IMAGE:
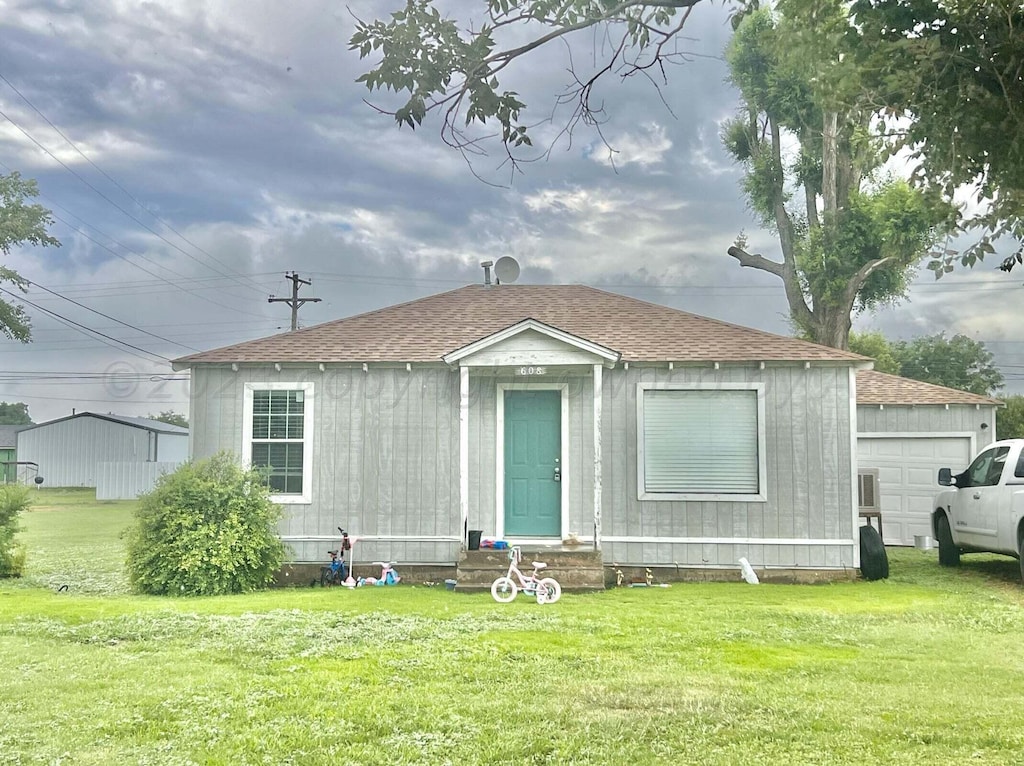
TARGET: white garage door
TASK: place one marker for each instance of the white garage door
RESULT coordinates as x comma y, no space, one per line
907,469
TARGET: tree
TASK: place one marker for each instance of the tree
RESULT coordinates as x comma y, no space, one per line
14,414
1010,419
849,241
853,253
952,70
14,500
206,529
171,418
437,66
878,347
20,224
958,362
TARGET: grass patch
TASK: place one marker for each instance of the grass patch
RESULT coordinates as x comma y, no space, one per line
922,667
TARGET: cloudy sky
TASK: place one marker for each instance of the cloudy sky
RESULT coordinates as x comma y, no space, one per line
193,152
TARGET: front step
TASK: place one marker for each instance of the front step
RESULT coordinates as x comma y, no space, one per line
575,569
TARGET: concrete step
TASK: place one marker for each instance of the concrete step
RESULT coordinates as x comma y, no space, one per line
575,568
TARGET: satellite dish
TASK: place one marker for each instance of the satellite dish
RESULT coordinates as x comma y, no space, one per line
506,269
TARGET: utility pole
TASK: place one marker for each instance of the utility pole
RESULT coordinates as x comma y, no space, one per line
295,301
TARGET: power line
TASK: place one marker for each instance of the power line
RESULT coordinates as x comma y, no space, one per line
124,258
118,207
107,316
85,329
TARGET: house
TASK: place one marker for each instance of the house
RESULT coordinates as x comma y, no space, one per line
539,413
72,451
906,431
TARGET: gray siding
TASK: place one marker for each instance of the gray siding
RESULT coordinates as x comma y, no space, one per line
68,451
929,418
385,456
809,486
483,421
386,465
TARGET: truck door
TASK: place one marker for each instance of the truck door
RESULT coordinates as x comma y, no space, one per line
980,501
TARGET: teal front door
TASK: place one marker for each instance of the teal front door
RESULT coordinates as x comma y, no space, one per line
533,449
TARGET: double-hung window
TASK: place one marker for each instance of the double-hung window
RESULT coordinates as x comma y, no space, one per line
278,437
701,442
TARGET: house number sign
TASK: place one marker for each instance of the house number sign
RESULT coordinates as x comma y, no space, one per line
531,371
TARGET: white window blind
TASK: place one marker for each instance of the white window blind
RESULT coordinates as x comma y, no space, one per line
700,441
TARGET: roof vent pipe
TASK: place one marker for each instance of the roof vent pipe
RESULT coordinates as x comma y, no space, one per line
487,272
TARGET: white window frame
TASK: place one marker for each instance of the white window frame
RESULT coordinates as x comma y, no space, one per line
760,496
307,435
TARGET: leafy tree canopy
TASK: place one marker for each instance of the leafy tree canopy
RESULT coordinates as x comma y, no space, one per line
958,362
878,347
14,414
849,238
1010,419
171,418
952,72
438,64
21,223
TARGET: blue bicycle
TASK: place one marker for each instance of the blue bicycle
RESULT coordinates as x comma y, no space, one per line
336,572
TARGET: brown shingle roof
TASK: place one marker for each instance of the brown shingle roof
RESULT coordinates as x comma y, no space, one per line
875,387
425,330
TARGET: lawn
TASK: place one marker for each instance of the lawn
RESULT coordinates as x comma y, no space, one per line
924,667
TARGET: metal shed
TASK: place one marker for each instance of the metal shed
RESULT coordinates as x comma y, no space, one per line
69,450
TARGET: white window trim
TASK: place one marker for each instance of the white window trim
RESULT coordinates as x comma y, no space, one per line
762,469
308,421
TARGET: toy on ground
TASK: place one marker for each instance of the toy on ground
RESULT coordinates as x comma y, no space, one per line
504,589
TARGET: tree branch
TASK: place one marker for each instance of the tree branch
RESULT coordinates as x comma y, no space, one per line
858,279
794,294
787,236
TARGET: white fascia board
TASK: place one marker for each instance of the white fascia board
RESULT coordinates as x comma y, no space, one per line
609,355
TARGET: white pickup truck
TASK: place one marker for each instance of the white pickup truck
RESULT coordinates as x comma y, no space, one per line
984,508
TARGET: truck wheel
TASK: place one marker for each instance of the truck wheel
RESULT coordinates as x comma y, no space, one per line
949,554
874,563
1020,553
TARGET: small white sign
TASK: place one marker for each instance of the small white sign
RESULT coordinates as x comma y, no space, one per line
531,371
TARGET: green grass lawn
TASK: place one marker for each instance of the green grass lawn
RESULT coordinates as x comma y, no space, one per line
923,668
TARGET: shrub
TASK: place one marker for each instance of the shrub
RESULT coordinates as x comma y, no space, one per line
206,529
14,498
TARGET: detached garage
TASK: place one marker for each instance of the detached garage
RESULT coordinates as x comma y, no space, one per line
70,451
906,432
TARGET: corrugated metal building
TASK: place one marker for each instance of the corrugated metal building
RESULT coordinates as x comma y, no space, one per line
69,450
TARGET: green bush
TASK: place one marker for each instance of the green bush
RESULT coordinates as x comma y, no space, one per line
206,529
14,498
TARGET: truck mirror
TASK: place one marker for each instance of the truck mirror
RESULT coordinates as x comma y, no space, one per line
945,477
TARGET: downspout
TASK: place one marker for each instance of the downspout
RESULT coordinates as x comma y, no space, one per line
598,396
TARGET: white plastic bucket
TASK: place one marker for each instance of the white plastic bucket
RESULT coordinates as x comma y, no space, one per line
923,542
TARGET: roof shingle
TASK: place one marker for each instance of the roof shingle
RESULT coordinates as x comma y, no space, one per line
425,330
875,387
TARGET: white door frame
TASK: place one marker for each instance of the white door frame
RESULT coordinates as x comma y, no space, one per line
499,437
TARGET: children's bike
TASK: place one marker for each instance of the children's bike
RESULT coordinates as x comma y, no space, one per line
336,572
507,587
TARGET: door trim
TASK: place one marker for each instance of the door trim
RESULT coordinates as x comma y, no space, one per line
499,449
